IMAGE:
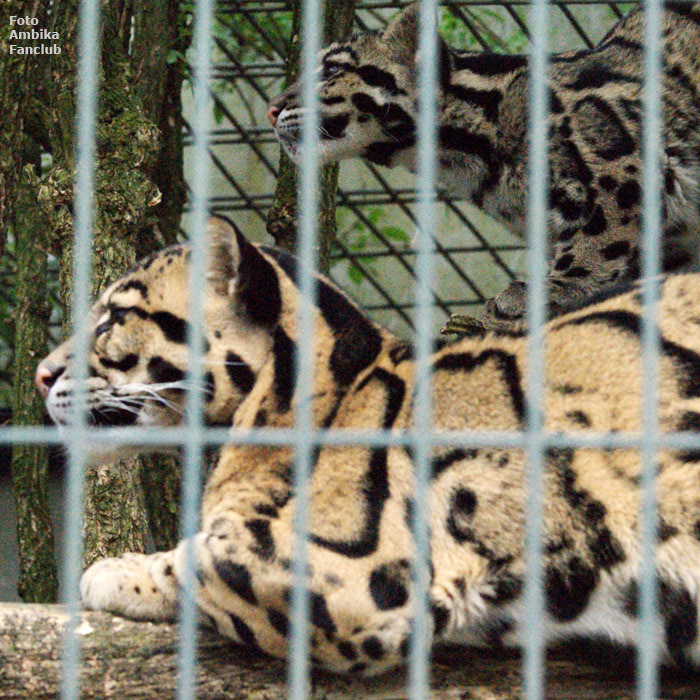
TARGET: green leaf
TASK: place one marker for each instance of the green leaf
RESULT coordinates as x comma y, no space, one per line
355,274
218,113
396,234
174,56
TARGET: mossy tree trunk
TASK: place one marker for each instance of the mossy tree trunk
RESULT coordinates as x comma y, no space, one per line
22,137
160,40
38,580
139,92
126,146
18,79
282,222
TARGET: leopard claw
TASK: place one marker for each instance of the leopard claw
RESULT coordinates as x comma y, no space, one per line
463,326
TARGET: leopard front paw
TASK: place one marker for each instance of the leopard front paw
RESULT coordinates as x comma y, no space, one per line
126,586
506,311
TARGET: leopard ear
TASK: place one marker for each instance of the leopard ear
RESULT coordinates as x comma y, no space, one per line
238,270
401,37
224,255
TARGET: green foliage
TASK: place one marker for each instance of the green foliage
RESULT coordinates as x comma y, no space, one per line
243,38
250,36
362,240
500,32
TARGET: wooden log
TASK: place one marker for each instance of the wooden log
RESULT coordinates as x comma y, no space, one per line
136,660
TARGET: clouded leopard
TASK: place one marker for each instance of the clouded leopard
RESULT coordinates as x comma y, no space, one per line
368,109
362,498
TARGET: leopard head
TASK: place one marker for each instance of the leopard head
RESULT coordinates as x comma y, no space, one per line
138,352
367,94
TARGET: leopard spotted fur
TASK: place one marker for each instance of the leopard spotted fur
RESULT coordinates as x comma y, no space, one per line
360,544
368,109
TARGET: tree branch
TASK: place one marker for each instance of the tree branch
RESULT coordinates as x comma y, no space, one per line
282,217
137,660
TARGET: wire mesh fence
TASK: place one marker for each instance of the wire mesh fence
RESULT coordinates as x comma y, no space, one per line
373,255
376,252
392,236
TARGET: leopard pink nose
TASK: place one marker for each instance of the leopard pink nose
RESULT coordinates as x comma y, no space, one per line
272,113
46,376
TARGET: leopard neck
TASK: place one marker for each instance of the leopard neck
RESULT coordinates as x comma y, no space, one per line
481,132
346,343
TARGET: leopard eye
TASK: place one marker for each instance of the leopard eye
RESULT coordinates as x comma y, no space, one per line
117,314
102,329
330,70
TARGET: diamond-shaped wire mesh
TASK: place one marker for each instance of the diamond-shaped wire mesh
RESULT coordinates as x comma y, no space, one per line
373,255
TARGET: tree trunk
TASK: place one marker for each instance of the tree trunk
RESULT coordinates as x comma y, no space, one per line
338,18
127,143
138,661
160,478
19,81
135,88
160,41
38,580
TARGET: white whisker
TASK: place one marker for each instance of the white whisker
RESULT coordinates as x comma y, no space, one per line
133,396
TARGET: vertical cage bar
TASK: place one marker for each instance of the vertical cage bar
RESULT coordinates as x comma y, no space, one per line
648,652
533,638
419,674
194,436
298,670
86,113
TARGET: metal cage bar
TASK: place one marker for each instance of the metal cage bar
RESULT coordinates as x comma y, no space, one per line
648,653
193,442
419,676
76,439
533,677
169,437
304,437
298,669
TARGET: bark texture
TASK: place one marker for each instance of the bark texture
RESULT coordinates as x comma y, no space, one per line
38,580
338,16
20,76
160,478
139,101
132,660
127,145
160,40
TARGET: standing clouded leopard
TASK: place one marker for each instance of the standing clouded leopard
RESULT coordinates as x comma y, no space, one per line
360,543
368,109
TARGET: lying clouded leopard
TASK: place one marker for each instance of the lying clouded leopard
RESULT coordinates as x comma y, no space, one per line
360,543
368,109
